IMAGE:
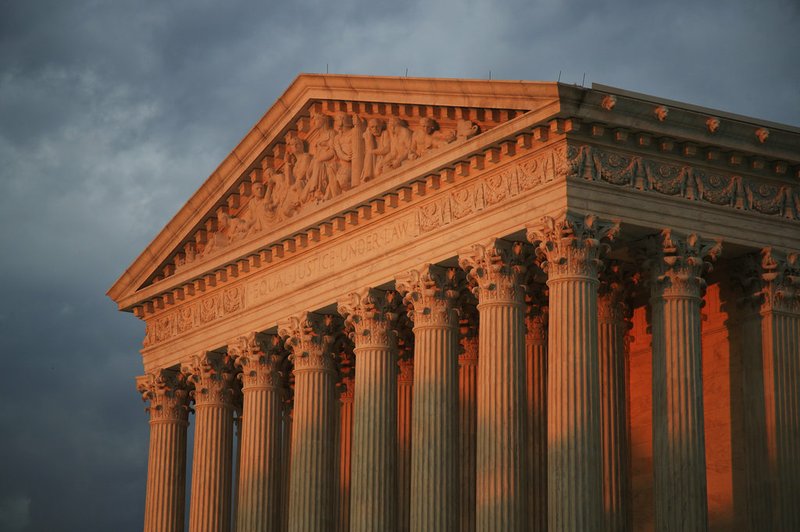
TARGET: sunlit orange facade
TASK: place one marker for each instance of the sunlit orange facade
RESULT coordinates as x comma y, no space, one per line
435,305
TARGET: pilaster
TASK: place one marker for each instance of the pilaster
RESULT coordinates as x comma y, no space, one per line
261,361
572,246
497,269
310,338
431,293
679,464
212,461
168,399
369,316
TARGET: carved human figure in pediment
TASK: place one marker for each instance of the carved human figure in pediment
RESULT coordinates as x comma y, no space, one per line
260,213
427,137
295,188
400,143
229,229
377,146
348,144
466,129
322,152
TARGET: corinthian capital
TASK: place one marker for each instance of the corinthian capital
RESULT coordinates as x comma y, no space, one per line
678,263
370,315
572,244
261,359
431,293
779,276
498,268
167,394
212,376
311,338
617,284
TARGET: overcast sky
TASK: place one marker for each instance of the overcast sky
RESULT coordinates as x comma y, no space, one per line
113,113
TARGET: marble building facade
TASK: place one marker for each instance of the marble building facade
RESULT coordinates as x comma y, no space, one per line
435,305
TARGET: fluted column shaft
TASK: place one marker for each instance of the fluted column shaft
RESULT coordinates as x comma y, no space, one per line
311,493
373,504
434,418
536,372
212,461
344,449
679,462
780,348
572,247
467,425
258,497
405,389
286,461
613,324
166,464
501,451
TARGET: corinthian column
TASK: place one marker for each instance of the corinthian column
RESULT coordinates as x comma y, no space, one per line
405,388
497,269
572,246
780,352
166,464
467,415
260,437
212,461
373,504
346,391
613,319
679,460
536,371
431,293
286,453
310,340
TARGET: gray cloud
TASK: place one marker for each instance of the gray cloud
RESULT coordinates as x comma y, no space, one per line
112,114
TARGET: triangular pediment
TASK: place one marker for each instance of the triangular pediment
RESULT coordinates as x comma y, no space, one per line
326,139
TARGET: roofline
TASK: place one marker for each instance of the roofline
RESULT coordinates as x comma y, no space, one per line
696,108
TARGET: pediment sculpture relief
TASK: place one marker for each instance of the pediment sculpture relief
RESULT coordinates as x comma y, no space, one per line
339,152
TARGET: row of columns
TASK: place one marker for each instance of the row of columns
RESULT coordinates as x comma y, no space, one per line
488,405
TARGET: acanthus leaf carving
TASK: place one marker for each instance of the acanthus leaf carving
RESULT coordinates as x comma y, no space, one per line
779,274
572,245
261,359
678,263
369,316
312,340
431,293
618,282
212,376
497,267
167,393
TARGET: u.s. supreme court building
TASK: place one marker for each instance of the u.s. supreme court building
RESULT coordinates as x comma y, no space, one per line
457,305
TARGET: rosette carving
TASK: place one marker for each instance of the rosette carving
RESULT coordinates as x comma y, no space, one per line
212,376
497,268
370,315
311,339
167,393
431,293
572,244
678,263
261,359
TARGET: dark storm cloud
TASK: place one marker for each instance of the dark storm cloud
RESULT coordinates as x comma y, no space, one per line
113,113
